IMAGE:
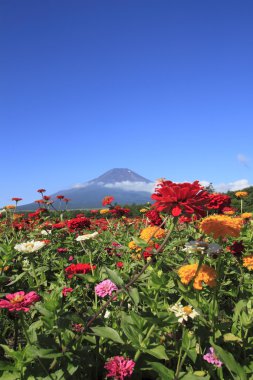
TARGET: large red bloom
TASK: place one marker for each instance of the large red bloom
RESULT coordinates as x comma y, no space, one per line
73,269
107,200
218,201
180,198
78,223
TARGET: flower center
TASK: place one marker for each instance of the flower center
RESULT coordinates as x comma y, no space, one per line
187,309
17,299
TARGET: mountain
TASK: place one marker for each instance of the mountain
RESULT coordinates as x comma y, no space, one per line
125,185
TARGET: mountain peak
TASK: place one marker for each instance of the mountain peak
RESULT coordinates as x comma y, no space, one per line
120,175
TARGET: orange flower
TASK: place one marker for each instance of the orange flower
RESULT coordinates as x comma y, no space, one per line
153,231
241,194
221,226
206,274
133,246
104,211
248,262
246,215
9,207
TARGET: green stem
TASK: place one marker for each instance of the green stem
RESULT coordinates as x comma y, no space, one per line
34,273
143,343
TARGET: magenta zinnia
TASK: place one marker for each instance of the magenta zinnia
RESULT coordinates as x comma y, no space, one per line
180,198
105,288
19,301
119,367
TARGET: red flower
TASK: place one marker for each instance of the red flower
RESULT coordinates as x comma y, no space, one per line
78,223
218,201
16,199
58,226
60,196
40,201
66,200
119,264
237,248
62,250
46,197
107,200
73,269
41,191
119,211
154,218
180,198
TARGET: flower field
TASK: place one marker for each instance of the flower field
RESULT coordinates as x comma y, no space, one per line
166,295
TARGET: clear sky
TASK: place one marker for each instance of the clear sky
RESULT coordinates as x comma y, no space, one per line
163,87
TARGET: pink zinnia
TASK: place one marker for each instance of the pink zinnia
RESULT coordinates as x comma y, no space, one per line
65,291
105,288
211,358
19,301
119,367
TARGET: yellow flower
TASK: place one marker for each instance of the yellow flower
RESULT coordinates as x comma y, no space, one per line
206,274
241,194
154,231
246,215
142,210
248,262
133,246
221,226
104,211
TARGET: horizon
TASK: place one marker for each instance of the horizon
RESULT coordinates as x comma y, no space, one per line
163,88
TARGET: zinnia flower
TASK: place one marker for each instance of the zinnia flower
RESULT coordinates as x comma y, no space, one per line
183,312
211,358
218,201
152,232
220,226
104,211
60,197
134,246
19,301
16,199
105,288
180,198
246,215
248,262
206,274
87,236
236,248
119,367
30,246
73,269
154,218
78,223
65,291
241,194
107,200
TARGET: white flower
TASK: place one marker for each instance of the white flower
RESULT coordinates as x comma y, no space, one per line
195,246
45,232
30,246
107,314
183,312
87,236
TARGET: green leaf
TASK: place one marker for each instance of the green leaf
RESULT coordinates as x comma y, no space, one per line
107,332
229,337
114,277
17,278
158,352
163,372
141,243
134,294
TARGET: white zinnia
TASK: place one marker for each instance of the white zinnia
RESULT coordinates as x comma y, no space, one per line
87,236
45,232
30,246
183,312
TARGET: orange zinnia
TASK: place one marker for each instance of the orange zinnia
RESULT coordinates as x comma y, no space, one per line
153,231
221,226
241,194
205,274
248,262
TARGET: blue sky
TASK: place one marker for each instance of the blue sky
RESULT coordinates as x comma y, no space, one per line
163,87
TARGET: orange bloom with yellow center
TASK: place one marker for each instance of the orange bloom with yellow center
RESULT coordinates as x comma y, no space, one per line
241,194
152,232
220,226
248,262
246,215
205,275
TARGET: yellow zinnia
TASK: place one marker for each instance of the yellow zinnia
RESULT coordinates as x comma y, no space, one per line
241,194
248,262
153,231
246,215
133,246
221,226
206,274
104,211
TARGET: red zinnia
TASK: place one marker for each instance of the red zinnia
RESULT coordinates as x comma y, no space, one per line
180,198
60,196
73,269
78,223
218,201
154,218
19,301
107,200
17,199
41,191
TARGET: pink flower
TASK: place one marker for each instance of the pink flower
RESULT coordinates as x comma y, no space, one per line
65,291
119,367
19,301
71,258
211,358
105,288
